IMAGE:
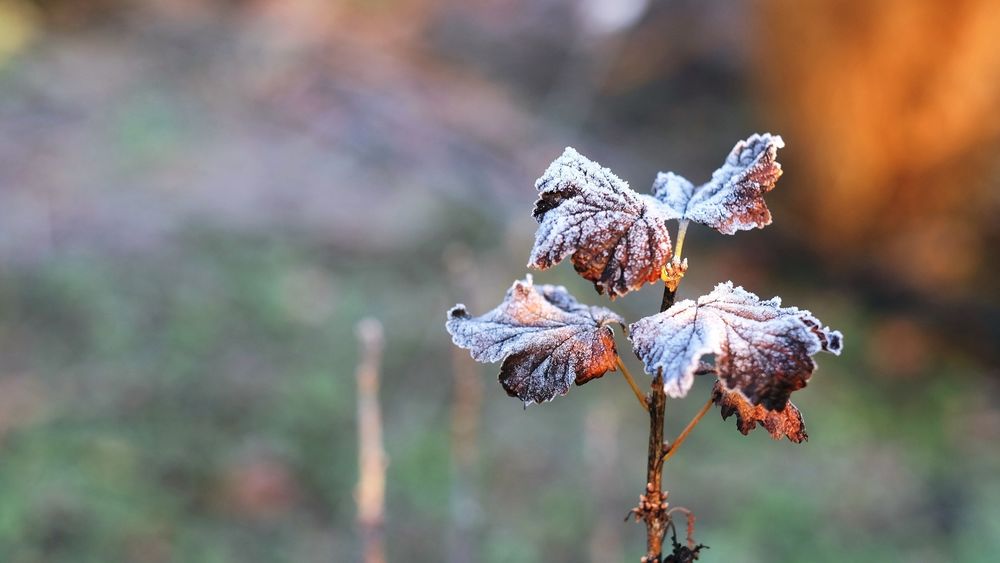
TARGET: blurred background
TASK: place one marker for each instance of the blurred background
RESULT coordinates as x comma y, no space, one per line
200,199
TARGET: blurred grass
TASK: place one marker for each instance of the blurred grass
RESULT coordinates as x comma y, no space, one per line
160,375
196,404
199,204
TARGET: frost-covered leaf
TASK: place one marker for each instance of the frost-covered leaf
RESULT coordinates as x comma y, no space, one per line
546,339
618,239
761,349
733,200
785,422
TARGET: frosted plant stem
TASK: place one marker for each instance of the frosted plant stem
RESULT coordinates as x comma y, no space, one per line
652,507
631,383
653,504
687,430
682,229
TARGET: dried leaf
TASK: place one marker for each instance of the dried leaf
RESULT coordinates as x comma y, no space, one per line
546,339
785,422
618,238
733,200
761,349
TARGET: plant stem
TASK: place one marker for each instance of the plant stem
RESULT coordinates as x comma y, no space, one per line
631,382
668,298
687,430
682,227
652,506
370,493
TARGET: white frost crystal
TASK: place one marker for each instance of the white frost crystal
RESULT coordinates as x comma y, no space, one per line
617,238
546,339
761,349
733,200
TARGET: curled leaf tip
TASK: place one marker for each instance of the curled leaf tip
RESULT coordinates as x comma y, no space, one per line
786,422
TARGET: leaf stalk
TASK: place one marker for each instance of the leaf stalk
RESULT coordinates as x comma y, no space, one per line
631,383
672,448
682,227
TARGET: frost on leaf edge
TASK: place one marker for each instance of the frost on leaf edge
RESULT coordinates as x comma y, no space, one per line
459,311
823,339
653,211
668,185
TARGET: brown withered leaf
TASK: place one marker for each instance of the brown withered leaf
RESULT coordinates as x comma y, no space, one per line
785,422
733,200
546,339
617,238
761,349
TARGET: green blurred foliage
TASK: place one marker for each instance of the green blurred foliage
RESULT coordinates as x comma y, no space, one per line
200,200
196,404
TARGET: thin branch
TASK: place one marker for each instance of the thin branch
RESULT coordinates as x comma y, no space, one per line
669,295
631,383
682,227
690,523
370,493
673,272
687,430
652,507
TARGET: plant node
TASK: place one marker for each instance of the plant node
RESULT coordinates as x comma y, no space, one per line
673,273
652,506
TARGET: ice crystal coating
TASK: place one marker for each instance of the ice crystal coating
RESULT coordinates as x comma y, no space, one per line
785,422
546,339
760,349
733,200
618,239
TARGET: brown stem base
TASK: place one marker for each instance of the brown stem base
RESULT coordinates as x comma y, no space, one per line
653,505
652,508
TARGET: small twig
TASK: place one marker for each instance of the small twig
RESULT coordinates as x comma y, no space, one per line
690,523
631,383
687,430
682,227
673,272
370,493
652,508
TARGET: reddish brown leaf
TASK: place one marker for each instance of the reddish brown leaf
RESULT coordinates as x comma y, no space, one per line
546,339
761,349
785,422
618,239
733,200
